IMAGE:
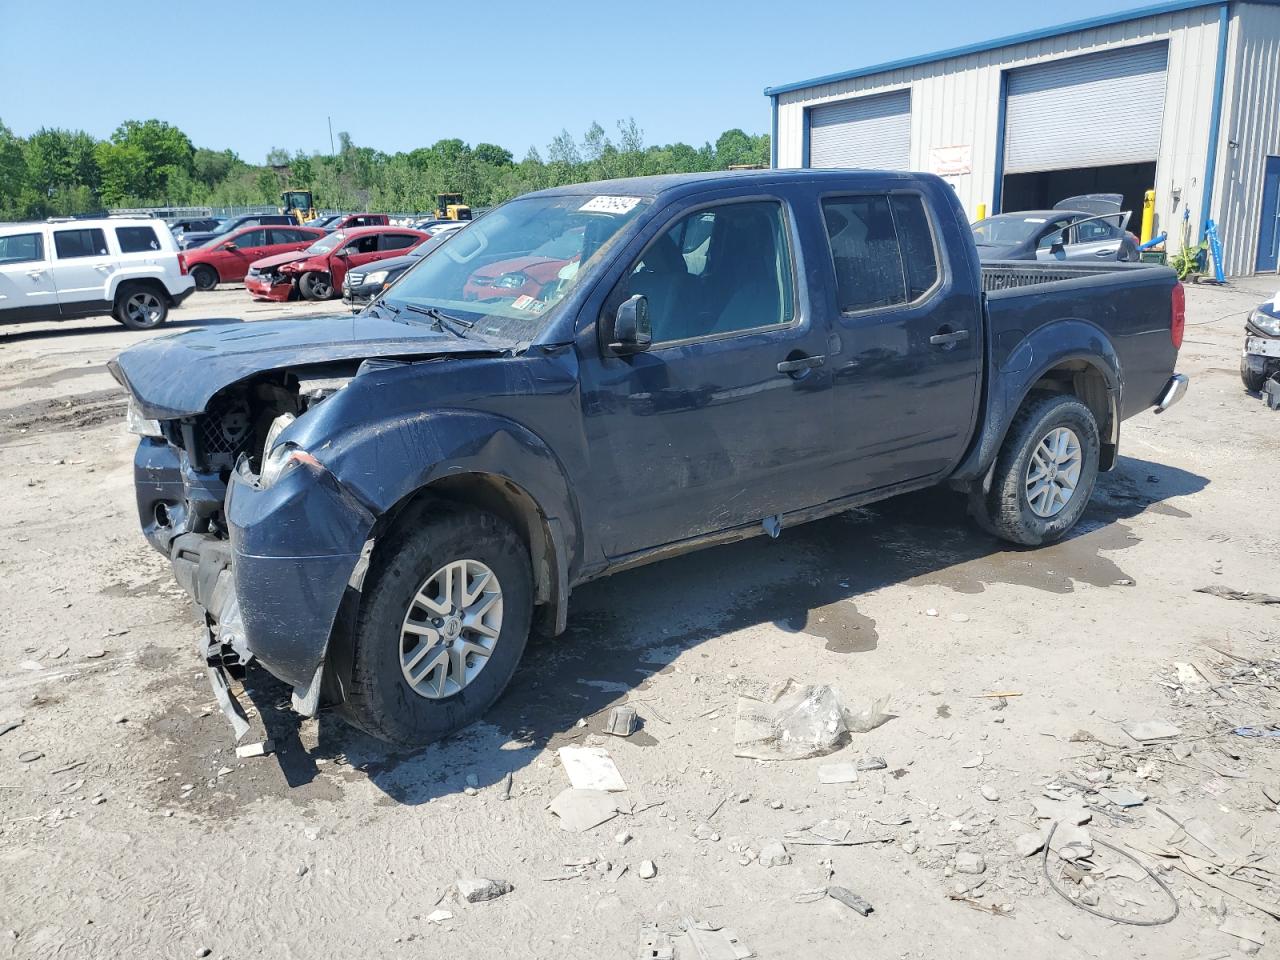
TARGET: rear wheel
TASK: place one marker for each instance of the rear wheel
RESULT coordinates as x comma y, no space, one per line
315,286
206,277
1044,473
140,307
442,626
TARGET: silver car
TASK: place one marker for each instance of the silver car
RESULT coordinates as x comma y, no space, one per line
1088,228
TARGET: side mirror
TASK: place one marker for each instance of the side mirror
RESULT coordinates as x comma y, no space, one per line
1062,241
229,245
631,330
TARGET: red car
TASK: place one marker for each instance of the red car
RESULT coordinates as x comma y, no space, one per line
525,276
226,259
352,220
317,272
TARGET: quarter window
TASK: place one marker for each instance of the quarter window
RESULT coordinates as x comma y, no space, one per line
398,241
253,238
717,271
137,239
21,248
882,248
79,243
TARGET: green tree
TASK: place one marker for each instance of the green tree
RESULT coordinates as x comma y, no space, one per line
13,173
735,147
492,154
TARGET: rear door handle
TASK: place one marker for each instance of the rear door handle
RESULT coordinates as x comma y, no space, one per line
950,337
1106,253
35,274
800,363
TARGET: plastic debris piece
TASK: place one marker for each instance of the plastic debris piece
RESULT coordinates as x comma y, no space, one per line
623,721
846,771
1145,730
872,763
850,900
707,941
591,768
479,889
869,718
259,749
1123,796
29,756
580,810
1248,596
8,725
439,916
799,722
774,854
1255,732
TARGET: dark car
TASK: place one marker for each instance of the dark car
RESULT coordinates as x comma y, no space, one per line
351,221
1086,228
1260,359
363,284
378,509
197,239
196,225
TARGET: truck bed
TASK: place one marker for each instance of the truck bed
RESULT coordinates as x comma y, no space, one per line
1013,274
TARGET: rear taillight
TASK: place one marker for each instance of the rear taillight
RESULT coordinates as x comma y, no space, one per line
182,264
1179,322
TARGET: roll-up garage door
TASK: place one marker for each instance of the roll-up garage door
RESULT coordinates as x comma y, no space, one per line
1091,111
872,132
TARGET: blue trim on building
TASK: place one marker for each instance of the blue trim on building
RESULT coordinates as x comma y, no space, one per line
997,190
805,122
1215,116
1124,16
773,134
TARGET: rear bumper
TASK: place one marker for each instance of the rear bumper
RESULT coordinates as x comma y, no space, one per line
1173,391
177,297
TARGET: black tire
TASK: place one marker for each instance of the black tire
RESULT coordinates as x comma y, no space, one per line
315,286
205,276
140,306
1254,380
380,700
1004,509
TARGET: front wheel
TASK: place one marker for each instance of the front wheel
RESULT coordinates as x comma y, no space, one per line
140,308
1254,378
1044,473
442,626
315,286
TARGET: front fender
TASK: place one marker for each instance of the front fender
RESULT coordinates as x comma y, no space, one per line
1015,368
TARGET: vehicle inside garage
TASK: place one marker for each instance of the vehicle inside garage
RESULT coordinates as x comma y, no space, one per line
1040,191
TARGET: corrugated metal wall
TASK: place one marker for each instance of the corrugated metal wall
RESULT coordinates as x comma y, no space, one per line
956,103
1251,121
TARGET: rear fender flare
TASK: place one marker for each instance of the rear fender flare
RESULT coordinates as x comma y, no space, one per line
1055,345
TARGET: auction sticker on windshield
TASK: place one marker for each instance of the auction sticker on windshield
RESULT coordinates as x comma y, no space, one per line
609,205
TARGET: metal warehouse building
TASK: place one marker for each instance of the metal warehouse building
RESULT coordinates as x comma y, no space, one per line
1182,98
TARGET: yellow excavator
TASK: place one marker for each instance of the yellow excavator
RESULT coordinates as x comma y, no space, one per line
449,206
298,203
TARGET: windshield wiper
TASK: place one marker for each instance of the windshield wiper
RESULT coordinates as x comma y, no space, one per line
381,304
442,321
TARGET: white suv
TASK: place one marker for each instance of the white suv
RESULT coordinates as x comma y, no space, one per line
128,268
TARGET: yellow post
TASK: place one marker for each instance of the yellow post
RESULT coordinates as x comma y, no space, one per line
1148,215
982,211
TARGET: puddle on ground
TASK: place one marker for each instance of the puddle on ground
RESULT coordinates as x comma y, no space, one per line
840,624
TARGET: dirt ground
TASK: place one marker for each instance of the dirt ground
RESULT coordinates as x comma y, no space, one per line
136,831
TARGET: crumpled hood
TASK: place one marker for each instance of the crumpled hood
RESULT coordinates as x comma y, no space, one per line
175,376
279,260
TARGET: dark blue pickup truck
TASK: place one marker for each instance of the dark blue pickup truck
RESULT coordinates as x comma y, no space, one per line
379,508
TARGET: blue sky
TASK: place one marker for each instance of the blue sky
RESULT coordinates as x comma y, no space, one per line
396,75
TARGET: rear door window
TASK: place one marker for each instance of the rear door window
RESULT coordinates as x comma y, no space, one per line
70,244
882,248
137,239
397,241
21,248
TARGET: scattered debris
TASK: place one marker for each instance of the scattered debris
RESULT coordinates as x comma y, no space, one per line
260,749
970,863
989,793
1244,928
647,870
798,722
960,618
850,899
974,761
96,654
591,768
831,833
707,941
1147,730
622,837
845,771
9,725
868,719
29,756
479,889
507,783
1255,732
439,916
623,721
774,854
580,810
872,763
1122,796
1027,844
1246,596
1092,908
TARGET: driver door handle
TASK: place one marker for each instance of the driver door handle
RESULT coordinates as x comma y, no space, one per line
801,363
953,336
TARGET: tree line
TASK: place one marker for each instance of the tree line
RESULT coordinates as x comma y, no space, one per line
147,163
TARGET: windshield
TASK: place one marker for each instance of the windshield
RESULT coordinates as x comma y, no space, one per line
327,243
1006,230
505,273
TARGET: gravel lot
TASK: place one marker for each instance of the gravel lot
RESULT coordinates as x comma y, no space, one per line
138,833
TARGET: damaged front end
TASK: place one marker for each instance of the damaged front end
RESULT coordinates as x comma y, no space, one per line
215,490
270,283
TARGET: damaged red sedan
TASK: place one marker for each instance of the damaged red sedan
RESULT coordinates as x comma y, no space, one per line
316,273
